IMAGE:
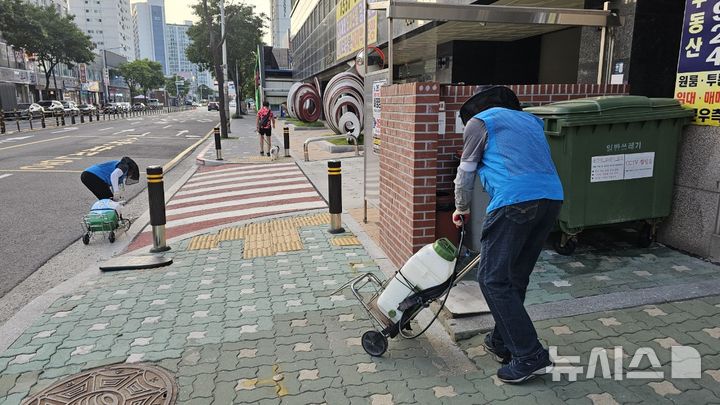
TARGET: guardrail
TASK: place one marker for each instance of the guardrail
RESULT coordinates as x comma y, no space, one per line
325,138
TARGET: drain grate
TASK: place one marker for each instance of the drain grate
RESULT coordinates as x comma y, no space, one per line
120,384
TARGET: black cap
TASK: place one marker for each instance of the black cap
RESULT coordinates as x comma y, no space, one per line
488,97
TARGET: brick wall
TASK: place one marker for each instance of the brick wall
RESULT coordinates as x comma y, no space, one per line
416,160
408,168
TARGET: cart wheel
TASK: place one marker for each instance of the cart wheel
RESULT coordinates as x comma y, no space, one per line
86,239
374,343
646,236
567,249
111,237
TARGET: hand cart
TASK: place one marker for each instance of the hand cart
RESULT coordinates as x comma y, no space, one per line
375,342
103,220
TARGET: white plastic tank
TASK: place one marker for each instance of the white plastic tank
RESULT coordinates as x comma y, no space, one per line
429,267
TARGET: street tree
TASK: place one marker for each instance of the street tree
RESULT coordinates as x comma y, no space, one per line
142,74
244,32
172,88
53,38
204,92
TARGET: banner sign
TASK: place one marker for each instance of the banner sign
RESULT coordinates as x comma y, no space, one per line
350,27
82,68
698,74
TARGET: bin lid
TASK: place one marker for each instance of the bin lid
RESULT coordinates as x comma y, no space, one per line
612,108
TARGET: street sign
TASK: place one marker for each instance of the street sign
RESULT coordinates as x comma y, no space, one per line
179,82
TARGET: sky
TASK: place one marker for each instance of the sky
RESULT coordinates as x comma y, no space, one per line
178,11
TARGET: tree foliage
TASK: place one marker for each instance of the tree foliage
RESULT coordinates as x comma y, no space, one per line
52,37
142,74
172,88
243,34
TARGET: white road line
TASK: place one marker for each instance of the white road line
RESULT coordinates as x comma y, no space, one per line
182,132
223,204
242,169
249,211
2,176
17,138
135,123
166,126
123,131
64,130
193,136
258,176
106,129
236,193
264,182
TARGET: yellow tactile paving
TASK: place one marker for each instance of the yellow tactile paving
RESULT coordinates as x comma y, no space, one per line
264,239
203,242
345,241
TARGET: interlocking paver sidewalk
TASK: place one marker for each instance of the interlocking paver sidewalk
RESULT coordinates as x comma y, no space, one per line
267,329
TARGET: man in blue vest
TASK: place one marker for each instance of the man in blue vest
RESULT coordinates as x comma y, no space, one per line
507,148
104,179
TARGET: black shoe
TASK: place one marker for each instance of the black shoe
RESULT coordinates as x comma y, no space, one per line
262,153
268,155
501,354
522,370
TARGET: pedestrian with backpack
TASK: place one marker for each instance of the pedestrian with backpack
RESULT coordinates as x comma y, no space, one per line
265,122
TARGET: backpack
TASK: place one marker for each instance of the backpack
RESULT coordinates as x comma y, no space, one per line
265,119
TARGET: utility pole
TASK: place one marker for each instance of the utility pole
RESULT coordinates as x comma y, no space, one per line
224,64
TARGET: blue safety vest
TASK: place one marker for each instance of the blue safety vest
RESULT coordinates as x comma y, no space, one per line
104,170
516,165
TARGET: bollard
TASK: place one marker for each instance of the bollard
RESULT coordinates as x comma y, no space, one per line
30,120
57,118
2,122
82,118
17,120
62,119
218,146
286,140
72,118
335,196
156,198
42,119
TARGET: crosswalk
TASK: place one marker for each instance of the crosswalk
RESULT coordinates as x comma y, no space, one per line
221,195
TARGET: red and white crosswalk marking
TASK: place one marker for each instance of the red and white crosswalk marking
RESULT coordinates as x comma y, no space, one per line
226,194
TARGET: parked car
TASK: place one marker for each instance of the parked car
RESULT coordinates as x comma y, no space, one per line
32,110
87,109
213,105
111,108
70,108
139,107
153,103
51,106
124,106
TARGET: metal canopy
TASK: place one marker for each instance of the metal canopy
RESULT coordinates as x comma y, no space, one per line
496,14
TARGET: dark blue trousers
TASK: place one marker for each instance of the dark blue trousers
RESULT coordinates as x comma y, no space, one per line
512,239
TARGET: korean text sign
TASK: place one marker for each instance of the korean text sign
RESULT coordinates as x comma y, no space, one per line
698,77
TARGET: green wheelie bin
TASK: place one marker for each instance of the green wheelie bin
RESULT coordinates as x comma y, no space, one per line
616,159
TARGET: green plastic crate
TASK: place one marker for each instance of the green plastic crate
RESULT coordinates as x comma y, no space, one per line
102,221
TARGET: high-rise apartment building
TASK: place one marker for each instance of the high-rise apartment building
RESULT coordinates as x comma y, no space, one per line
148,21
280,23
177,43
60,5
108,23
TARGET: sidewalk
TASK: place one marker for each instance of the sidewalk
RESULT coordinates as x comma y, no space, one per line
247,314
236,322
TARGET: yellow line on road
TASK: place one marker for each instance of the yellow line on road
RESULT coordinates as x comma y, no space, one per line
40,171
169,165
32,143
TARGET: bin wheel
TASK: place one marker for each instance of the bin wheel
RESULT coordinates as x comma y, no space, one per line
111,237
86,239
646,236
567,249
374,343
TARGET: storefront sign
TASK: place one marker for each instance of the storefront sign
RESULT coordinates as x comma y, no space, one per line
377,85
350,27
698,74
82,68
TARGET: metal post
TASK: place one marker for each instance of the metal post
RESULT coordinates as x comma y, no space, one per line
390,50
286,140
335,196
17,120
218,146
601,78
156,197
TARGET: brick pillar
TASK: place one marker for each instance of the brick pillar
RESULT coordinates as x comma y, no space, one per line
408,168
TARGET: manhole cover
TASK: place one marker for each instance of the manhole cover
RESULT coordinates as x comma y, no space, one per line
112,385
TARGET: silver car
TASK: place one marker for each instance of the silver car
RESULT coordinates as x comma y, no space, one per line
31,110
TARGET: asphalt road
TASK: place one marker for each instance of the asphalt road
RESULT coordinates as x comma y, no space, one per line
42,200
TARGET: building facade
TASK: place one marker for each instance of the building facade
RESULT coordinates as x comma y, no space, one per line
280,23
177,43
149,36
108,23
60,5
